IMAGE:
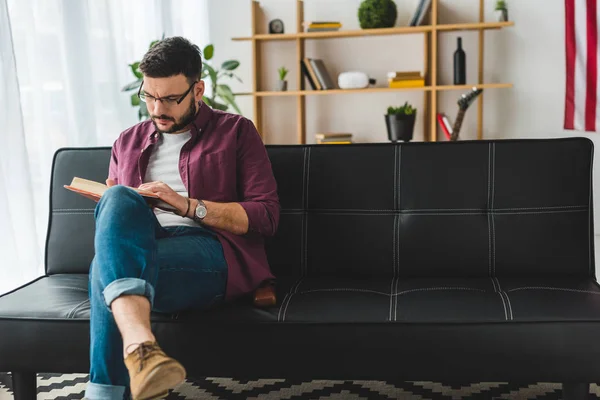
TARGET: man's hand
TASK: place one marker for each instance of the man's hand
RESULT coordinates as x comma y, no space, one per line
166,194
110,182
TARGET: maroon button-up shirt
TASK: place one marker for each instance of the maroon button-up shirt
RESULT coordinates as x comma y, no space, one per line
224,161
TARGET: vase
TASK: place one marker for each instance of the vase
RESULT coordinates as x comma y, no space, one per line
400,127
501,15
282,86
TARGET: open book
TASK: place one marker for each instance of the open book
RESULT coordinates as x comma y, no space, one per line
94,191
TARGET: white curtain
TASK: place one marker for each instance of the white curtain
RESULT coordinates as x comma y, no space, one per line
61,79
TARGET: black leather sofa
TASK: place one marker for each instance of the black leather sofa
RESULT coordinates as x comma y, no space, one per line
464,261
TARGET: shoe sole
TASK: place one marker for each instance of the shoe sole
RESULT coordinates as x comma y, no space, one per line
154,389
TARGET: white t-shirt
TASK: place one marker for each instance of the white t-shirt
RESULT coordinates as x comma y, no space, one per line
164,166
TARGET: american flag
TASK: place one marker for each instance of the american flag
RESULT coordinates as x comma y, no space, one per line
582,108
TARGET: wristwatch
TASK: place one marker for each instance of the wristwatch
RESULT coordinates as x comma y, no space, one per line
200,211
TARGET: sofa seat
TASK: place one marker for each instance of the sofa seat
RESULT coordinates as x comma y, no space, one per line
317,319
345,300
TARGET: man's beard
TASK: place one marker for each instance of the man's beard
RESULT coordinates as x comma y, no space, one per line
184,121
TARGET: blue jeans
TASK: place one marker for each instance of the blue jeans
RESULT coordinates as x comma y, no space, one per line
176,268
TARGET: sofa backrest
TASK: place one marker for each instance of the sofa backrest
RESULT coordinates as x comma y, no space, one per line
470,208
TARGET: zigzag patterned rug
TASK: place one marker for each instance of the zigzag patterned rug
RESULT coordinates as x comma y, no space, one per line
72,386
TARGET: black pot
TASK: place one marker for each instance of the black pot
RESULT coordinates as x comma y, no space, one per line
400,127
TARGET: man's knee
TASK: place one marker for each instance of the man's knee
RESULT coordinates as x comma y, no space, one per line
121,197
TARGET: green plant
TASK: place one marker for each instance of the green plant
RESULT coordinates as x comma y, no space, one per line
221,91
501,5
135,85
282,73
377,14
405,109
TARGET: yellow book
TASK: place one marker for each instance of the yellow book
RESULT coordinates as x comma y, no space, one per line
325,25
347,142
407,83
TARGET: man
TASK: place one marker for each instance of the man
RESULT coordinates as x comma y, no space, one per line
212,168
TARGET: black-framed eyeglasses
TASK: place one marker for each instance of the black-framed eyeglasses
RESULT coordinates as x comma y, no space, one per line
168,101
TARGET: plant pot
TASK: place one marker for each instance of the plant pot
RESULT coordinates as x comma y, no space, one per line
282,86
400,127
501,15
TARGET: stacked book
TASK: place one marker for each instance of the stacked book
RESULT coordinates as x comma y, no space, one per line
323,26
334,138
405,79
420,12
315,71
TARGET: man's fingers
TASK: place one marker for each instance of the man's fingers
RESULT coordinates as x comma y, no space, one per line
110,182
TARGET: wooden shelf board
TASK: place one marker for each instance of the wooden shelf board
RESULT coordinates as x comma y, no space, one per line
477,85
332,91
474,26
377,32
375,90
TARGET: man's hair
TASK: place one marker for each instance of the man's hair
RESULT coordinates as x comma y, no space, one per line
172,56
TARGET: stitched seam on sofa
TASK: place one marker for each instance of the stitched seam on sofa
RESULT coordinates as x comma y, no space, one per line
553,288
504,294
503,305
71,313
347,290
70,288
493,284
524,211
397,229
492,211
539,212
497,290
395,178
304,180
509,305
306,217
387,294
392,302
290,297
590,238
489,195
74,213
438,288
286,298
72,209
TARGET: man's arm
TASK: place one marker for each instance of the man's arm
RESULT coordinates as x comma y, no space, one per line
227,216
257,211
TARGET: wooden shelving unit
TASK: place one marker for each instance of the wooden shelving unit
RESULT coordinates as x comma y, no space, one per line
431,89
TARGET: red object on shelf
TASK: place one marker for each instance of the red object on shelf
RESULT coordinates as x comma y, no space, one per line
440,118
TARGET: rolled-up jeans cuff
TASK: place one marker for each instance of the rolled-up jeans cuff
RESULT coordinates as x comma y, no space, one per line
128,286
98,391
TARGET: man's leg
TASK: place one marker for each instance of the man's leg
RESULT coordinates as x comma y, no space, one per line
124,265
185,265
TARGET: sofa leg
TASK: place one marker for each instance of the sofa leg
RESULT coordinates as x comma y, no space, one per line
576,391
24,385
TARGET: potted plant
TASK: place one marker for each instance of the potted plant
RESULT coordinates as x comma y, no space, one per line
282,84
377,14
501,11
400,122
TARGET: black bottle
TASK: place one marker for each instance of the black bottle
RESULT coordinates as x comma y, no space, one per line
460,68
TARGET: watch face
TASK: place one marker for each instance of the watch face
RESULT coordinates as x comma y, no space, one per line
200,211
276,26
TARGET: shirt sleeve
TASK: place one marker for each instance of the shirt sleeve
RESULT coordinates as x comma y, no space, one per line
113,171
258,188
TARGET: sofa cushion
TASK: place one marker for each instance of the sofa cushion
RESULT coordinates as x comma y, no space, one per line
430,324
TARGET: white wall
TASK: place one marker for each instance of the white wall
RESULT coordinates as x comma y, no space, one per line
530,55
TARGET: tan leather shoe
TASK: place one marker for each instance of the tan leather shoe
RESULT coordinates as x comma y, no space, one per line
152,373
